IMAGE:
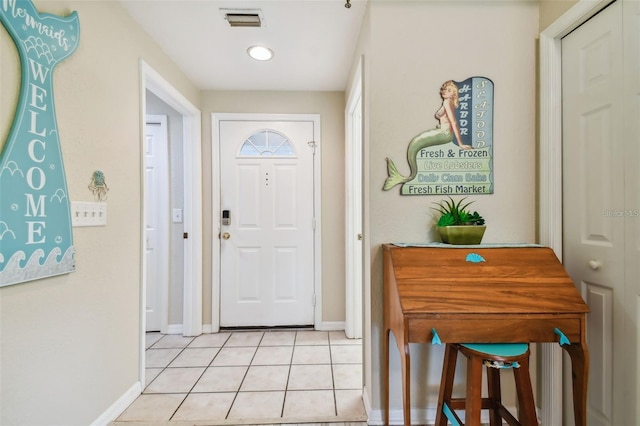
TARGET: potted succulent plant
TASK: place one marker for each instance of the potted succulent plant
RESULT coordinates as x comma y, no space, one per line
457,224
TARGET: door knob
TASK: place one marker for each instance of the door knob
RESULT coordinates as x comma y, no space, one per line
595,264
226,235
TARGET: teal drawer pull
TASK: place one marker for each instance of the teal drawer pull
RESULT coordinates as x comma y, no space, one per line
563,339
436,339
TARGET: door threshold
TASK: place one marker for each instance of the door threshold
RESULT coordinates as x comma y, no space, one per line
269,328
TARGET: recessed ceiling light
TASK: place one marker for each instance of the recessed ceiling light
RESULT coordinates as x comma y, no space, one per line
260,53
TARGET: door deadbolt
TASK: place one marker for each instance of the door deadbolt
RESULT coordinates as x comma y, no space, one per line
226,217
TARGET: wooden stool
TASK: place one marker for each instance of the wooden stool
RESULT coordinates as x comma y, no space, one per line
512,355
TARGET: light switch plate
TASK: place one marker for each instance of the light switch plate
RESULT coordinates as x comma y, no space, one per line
177,215
87,213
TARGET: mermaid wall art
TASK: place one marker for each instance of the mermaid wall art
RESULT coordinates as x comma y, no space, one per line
36,240
455,157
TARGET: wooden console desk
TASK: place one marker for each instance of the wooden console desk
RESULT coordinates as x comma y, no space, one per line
517,294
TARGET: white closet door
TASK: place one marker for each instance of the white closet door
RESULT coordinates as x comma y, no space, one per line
600,196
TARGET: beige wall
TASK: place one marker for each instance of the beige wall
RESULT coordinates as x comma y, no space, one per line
70,344
413,48
330,106
550,10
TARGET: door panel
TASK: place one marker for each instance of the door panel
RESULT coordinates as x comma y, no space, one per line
249,206
157,222
267,261
631,29
594,150
598,171
599,298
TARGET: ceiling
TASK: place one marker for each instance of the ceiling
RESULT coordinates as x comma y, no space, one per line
313,40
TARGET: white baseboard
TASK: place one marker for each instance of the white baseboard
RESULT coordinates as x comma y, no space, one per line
366,400
396,417
330,326
119,406
174,329
418,417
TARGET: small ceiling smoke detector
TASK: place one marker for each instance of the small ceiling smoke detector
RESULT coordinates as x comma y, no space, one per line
243,17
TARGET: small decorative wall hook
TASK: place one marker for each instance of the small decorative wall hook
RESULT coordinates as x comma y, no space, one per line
98,185
348,4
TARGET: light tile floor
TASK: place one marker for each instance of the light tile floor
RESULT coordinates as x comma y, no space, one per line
250,377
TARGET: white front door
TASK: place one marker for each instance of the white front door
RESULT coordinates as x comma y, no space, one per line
598,145
267,236
156,182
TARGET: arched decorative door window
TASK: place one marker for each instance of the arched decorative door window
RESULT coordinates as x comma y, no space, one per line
267,143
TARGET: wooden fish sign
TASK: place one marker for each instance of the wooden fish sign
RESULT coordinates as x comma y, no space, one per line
35,221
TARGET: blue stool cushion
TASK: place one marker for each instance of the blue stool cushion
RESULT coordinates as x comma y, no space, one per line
498,349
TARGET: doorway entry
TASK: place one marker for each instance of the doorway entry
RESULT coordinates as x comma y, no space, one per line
192,212
268,221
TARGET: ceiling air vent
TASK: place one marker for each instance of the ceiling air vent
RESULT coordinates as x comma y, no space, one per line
243,17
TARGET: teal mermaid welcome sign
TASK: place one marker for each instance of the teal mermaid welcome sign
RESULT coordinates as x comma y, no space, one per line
35,220
456,157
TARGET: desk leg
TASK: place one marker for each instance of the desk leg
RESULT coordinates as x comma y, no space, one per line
385,377
406,384
580,373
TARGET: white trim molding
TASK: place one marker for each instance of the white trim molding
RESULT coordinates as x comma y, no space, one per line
175,329
192,135
550,183
354,140
420,416
119,406
330,326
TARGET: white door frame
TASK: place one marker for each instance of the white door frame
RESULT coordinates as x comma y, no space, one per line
550,183
192,128
215,206
162,286
354,238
